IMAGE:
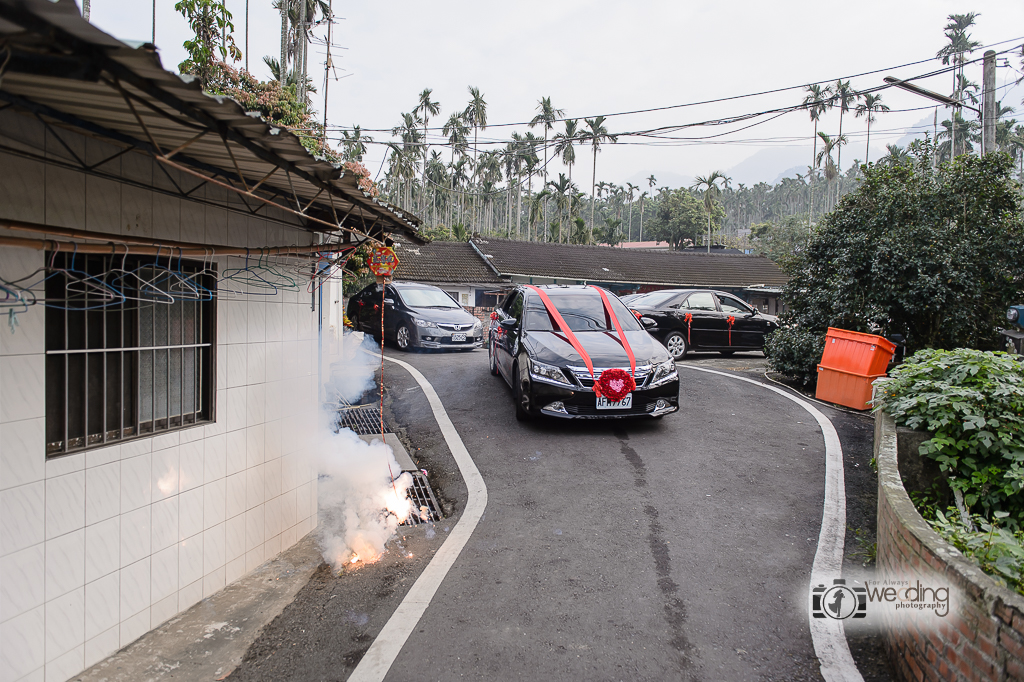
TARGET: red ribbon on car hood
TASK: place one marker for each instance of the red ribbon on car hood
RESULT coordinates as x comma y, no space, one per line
618,329
557,317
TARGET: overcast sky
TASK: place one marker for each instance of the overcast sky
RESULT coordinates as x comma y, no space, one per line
604,57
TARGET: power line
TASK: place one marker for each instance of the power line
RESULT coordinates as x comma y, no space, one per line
748,95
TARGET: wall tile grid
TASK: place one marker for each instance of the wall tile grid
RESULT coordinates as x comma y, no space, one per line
98,548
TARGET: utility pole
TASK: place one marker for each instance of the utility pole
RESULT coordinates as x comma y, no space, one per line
282,72
85,9
327,64
988,119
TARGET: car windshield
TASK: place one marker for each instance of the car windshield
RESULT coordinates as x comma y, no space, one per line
583,312
654,299
427,298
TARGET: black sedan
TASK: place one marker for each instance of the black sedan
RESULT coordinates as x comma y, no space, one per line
702,319
538,357
415,315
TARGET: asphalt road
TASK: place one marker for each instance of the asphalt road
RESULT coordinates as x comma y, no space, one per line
643,550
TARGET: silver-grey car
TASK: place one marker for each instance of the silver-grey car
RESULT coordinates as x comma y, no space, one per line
415,316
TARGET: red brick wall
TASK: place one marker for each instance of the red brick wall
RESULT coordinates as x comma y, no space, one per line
482,314
982,638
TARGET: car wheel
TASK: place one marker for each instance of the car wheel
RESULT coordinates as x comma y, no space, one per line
726,353
522,414
676,345
491,360
403,338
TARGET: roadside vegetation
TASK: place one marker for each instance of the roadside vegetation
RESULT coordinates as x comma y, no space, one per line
934,254
972,404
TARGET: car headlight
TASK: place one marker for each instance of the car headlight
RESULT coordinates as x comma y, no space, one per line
664,373
477,327
424,323
539,370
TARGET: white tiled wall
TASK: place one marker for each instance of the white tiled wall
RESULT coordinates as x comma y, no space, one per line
97,548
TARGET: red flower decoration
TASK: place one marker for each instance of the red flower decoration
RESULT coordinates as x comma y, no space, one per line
494,315
614,384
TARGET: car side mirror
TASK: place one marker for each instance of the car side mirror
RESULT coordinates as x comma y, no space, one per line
648,322
508,323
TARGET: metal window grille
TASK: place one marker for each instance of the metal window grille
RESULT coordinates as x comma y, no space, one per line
122,369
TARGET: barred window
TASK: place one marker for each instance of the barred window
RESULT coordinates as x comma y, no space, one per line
129,349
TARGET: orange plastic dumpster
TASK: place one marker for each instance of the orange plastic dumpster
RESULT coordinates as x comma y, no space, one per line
864,354
844,388
850,363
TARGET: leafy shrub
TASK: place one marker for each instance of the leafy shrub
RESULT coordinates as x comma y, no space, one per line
934,255
972,403
997,550
795,352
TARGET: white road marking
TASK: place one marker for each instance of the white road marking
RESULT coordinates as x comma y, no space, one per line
385,648
827,634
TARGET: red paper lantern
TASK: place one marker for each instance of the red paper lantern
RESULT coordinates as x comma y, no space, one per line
615,384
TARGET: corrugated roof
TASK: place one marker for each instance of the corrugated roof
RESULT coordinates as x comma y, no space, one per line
608,264
66,70
443,262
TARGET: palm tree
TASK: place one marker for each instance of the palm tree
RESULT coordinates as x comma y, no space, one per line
562,191
408,132
546,117
868,108
457,132
897,156
651,181
476,116
354,144
831,169
536,209
630,188
425,109
709,186
842,96
596,134
816,101
565,145
959,132
643,199
960,44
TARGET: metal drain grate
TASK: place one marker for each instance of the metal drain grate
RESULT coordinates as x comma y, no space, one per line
422,496
363,419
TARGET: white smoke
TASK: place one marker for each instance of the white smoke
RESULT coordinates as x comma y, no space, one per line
351,375
360,505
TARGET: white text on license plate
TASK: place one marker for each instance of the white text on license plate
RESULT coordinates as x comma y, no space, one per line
624,404
458,337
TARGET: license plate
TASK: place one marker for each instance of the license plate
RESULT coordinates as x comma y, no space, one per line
458,337
624,404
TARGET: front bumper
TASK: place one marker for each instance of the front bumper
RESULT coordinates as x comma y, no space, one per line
582,404
429,337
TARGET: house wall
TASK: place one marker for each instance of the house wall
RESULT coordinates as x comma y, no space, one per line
97,548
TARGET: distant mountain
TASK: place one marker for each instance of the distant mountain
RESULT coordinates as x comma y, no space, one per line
764,165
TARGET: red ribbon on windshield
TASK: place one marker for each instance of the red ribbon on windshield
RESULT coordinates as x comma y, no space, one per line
557,317
618,329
